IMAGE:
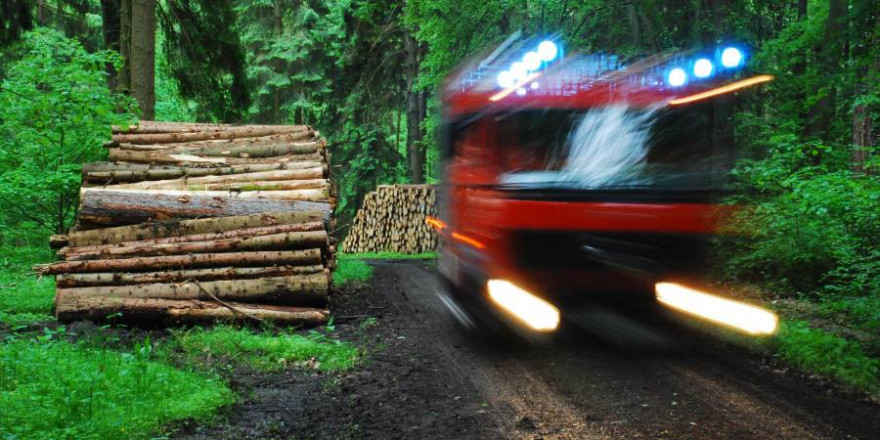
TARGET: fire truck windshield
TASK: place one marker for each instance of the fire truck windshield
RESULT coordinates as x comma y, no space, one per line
614,147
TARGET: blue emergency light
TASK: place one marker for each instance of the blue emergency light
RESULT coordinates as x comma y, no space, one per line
730,58
531,62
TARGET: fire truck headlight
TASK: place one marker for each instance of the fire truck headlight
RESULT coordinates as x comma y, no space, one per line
703,68
547,50
746,317
531,310
731,57
677,77
532,60
506,79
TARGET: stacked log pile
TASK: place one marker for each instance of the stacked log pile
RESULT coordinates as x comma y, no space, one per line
198,222
392,219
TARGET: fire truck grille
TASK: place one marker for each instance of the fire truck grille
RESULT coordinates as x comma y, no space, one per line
653,253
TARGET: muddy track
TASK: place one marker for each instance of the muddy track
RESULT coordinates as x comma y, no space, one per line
432,380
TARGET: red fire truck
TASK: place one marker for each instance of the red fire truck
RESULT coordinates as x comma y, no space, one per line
581,178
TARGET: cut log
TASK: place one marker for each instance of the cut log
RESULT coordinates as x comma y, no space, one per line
105,172
99,206
99,251
297,290
175,227
226,150
170,157
176,276
58,241
309,174
70,308
221,146
307,257
315,189
153,127
284,241
231,133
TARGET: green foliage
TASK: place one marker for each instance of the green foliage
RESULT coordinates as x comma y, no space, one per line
267,351
205,57
862,313
22,294
818,351
55,112
24,298
79,392
810,230
351,271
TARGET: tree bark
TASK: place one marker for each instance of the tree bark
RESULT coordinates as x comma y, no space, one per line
247,131
110,24
312,175
308,257
283,241
300,290
266,150
99,206
109,172
176,227
143,56
159,127
163,157
70,308
98,251
414,116
176,276
124,79
862,138
313,189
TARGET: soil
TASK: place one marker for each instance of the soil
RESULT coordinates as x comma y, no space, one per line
426,378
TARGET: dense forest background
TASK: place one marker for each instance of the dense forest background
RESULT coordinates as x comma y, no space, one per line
366,74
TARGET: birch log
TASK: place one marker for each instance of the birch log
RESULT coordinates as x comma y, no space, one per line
175,227
70,308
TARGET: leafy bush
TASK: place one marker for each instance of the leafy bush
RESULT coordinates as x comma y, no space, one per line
85,393
55,111
808,227
266,351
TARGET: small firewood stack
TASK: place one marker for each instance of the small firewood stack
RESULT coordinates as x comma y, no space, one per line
201,221
392,218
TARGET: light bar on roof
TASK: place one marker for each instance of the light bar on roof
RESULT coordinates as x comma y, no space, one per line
725,60
533,61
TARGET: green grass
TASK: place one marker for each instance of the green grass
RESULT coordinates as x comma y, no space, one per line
24,298
53,389
265,351
351,271
387,256
818,351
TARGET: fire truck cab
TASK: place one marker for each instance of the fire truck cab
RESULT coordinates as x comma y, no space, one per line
576,179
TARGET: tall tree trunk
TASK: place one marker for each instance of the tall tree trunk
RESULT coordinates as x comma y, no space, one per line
110,21
124,79
143,56
862,137
635,30
414,112
828,55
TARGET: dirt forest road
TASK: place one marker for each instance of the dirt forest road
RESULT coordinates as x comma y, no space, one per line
431,380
